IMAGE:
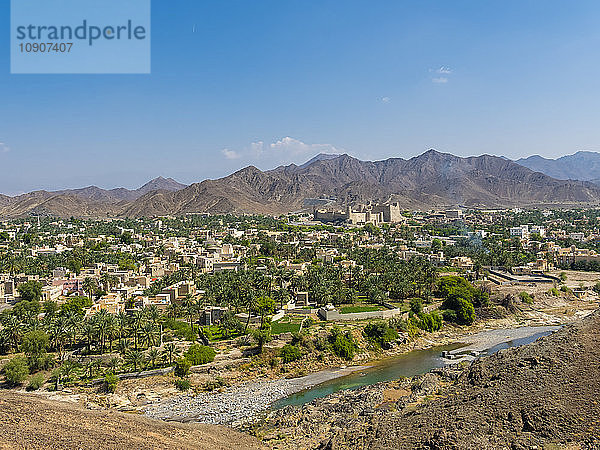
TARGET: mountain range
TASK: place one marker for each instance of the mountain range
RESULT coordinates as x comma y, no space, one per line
432,179
579,166
90,201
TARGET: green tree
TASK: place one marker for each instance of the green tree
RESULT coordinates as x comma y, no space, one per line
74,265
230,325
264,306
110,382
465,313
153,356
416,305
380,333
34,345
30,291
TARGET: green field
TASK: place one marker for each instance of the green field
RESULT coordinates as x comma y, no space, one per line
285,327
360,308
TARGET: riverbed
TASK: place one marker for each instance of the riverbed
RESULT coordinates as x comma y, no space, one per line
242,403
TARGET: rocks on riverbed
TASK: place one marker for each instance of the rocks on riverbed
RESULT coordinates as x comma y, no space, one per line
233,406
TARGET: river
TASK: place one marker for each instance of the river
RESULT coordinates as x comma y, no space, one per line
418,361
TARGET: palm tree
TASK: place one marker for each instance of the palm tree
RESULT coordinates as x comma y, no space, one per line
123,346
4,341
101,319
171,352
153,314
111,328
134,358
135,326
89,331
58,334
73,323
69,370
113,364
121,322
90,286
108,279
14,329
172,310
190,308
153,356
149,333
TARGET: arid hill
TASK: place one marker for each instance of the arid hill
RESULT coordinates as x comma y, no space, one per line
29,421
90,201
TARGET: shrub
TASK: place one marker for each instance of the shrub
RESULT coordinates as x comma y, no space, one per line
404,326
563,276
454,287
554,292
200,354
36,382
290,353
449,315
182,367
110,382
526,297
16,370
215,383
430,322
41,362
416,305
320,343
344,346
564,288
182,384
34,342
262,336
380,333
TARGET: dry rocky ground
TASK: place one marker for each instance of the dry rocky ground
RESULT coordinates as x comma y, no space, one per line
29,421
540,396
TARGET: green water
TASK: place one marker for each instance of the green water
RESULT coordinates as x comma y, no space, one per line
410,364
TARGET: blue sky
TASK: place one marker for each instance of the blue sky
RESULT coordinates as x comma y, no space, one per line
272,82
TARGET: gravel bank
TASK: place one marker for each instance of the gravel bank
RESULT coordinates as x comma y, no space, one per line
238,404
484,340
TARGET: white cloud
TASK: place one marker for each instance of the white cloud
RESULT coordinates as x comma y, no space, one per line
230,154
385,99
4,148
296,147
441,74
282,151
